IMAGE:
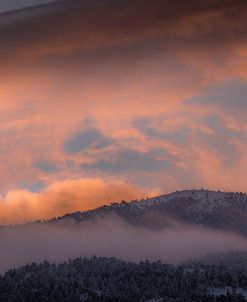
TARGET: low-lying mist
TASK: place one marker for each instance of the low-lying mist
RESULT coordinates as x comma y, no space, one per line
111,236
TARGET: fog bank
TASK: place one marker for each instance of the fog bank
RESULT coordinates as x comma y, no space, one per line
111,237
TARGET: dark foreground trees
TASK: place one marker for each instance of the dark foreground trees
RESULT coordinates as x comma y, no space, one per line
113,280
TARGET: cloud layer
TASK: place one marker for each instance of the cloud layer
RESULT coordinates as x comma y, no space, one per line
112,237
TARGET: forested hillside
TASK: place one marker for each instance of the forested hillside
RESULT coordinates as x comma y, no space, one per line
109,279
225,211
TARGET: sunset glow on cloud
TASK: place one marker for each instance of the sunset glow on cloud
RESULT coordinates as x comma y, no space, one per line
102,101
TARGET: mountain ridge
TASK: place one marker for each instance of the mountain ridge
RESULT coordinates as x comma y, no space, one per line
225,211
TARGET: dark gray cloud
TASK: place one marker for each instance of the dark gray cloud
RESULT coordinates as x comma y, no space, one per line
133,160
178,136
46,166
86,139
230,95
9,5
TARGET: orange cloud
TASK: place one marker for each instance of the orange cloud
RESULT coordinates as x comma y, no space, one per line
20,206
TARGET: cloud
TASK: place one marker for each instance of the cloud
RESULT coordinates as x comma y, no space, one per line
21,206
123,23
221,139
229,95
16,4
132,160
46,166
86,139
179,136
136,59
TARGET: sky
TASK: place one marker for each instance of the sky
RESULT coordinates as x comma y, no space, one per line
10,5
107,100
